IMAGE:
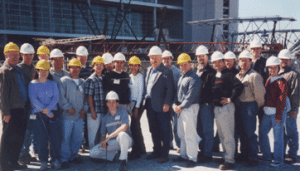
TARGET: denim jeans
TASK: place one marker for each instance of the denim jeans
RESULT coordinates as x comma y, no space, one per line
247,111
28,140
71,140
205,128
47,130
174,128
291,135
268,122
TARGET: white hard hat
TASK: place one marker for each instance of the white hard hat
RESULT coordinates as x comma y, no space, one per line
285,54
108,58
119,56
82,51
272,61
229,55
167,53
27,48
56,53
112,96
201,50
255,43
217,55
245,54
155,50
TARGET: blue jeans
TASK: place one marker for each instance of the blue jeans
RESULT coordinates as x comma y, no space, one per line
205,128
266,124
159,124
247,111
47,130
174,128
291,135
28,140
71,140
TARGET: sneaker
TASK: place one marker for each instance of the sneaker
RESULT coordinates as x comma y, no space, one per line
123,166
290,160
65,165
226,166
77,160
190,164
43,165
205,159
55,165
275,164
251,163
179,159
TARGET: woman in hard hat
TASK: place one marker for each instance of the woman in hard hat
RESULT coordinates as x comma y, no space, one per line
275,110
136,85
43,94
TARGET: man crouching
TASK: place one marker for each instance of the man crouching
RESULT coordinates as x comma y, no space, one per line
115,134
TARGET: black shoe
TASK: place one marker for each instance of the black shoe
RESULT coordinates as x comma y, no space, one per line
123,166
219,160
65,165
290,160
77,160
179,159
24,160
153,155
190,164
200,155
241,158
205,159
19,167
226,166
163,160
97,160
132,156
216,149
251,163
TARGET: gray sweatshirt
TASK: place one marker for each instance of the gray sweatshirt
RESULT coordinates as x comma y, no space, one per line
72,96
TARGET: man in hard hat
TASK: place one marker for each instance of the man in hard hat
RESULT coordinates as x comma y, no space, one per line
230,61
159,93
115,133
57,62
82,55
186,106
27,54
94,91
251,99
74,104
13,114
43,53
118,80
167,58
292,76
108,59
226,89
205,120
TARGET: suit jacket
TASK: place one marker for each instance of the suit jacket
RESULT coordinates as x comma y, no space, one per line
10,95
162,91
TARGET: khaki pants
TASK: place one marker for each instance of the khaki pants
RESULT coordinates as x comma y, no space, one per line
225,123
123,142
187,132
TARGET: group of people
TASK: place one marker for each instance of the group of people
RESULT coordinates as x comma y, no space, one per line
57,110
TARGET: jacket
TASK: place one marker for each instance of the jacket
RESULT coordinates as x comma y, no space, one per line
207,76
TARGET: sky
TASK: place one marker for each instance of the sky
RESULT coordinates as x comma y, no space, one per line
271,8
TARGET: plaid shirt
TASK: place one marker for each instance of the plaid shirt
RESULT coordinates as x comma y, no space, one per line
94,88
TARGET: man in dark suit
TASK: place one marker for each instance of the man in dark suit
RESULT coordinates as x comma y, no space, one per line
159,86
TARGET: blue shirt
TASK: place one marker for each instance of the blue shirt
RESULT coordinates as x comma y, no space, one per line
21,83
151,79
188,89
43,95
110,124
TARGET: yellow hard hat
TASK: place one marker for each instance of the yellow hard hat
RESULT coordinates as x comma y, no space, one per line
75,62
183,58
134,60
43,50
42,64
11,47
98,60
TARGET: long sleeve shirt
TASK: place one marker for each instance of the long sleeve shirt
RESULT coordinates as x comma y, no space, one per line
254,89
188,90
71,96
43,95
136,86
